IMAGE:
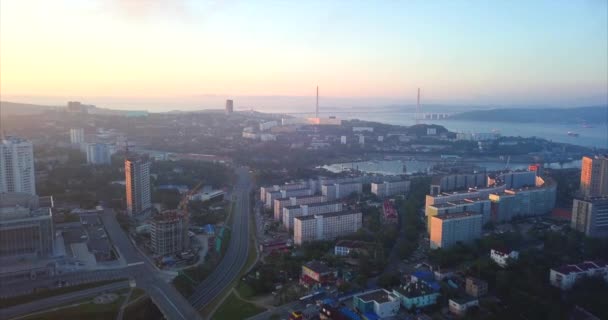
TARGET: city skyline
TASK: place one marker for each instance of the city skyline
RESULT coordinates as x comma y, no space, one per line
186,55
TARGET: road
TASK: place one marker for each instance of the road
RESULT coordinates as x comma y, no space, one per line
51,302
170,302
238,249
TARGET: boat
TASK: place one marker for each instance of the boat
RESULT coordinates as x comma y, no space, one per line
572,134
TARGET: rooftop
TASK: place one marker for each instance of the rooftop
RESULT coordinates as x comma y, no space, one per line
581,267
379,296
327,215
459,215
318,267
415,289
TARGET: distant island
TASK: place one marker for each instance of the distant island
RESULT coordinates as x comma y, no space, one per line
595,114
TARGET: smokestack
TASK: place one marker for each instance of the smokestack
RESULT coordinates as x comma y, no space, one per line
317,110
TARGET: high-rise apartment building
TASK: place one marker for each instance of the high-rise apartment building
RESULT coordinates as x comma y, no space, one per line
447,230
229,106
590,216
169,232
325,226
98,153
17,172
137,181
76,136
594,176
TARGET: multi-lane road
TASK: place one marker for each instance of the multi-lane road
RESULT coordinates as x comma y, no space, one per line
238,249
47,303
171,303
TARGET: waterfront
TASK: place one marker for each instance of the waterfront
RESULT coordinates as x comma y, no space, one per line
597,136
399,167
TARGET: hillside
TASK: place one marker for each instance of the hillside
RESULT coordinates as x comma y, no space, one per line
14,108
597,114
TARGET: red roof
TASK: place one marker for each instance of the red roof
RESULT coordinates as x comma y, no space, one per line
560,213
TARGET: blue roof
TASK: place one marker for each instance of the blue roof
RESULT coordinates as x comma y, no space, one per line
209,228
371,316
350,313
424,275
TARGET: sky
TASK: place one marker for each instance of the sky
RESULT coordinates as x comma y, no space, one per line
180,54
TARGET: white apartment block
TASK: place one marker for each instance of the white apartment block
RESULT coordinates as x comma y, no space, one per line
280,203
565,277
76,136
341,190
325,226
447,230
273,195
98,153
390,188
17,172
291,212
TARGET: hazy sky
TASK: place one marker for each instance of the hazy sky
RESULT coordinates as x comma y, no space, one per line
184,54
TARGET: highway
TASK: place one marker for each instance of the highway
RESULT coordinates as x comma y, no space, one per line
236,256
170,302
51,302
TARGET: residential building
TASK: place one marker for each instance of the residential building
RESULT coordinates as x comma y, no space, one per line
291,212
348,247
590,216
25,230
98,153
502,257
448,229
341,190
229,106
390,188
343,139
17,172
76,136
476,287
514,179
389,214
477,205
315,273
416,295
280,203
325,226
594,176
286,193
169,232
268,125
565,277
458,182
137,182
381,302
460,306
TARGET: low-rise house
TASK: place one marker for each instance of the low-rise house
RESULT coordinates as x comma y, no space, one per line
380,303
565,277
476,287
460,306
503,256
416,295
348,247
316,273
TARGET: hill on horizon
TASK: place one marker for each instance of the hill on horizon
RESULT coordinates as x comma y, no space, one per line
592,114
8,108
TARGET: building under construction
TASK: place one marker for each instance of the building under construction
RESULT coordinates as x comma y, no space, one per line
169,232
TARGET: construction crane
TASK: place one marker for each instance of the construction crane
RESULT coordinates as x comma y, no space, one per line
183,204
